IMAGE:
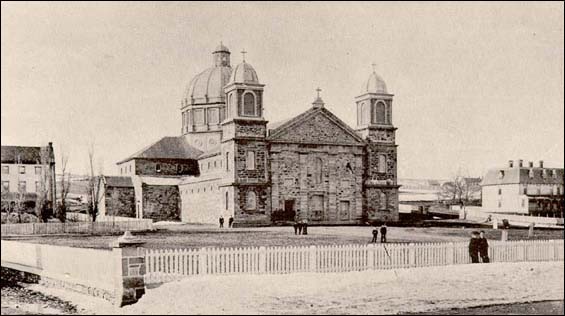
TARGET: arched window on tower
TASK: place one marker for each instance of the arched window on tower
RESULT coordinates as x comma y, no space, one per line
364,113
380,113
251,201
249,104
250,160
382,164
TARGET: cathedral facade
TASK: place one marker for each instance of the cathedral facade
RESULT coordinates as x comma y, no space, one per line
229,161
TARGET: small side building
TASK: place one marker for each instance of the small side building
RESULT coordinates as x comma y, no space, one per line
524,190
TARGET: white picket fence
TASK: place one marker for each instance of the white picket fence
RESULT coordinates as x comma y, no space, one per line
76,227
163,265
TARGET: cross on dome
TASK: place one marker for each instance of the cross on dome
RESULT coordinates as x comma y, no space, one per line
318,90
374,67
243,52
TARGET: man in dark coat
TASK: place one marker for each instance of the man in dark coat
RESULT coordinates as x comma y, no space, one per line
375,235
474,247
383,233
483,247
230,222
221,221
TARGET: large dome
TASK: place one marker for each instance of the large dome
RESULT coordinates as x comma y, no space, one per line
244,73
375,84
208,86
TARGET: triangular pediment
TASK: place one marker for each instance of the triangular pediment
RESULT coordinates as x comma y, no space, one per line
316,126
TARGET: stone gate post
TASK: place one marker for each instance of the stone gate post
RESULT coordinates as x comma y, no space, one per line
129,269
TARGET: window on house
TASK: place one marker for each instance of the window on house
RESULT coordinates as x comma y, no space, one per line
531,173
215,164
22,169
250,160
523,202
22,187
525,190
544,173
38,186
158,167
37,169
251,201
499,191
380,113
499,204
554,173
208,165
501,174
5,169
121,170
129,168
6,186
382,164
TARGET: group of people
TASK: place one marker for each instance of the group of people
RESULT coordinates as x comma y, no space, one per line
230,221
300,226
383,230
478,247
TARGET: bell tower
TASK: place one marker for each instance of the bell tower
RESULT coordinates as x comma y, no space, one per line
374,124
245,149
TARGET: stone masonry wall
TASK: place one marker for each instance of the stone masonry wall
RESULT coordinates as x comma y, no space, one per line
161,202
120,201
294,177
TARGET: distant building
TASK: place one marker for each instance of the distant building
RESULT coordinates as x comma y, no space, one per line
228,161
26,171
526,190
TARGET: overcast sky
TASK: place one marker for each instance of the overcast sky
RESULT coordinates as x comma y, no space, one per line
475,84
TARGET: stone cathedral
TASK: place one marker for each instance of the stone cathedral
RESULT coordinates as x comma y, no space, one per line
229,161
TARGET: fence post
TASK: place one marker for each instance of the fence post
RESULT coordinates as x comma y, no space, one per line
262,259
451,254
312,257
524,251
411,255
129,268
551,255
371,257
203,261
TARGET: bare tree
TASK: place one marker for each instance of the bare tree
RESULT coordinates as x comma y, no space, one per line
460,190
93,186
42,206
65,187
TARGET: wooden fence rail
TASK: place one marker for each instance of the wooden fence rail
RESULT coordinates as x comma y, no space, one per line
163,265
76,227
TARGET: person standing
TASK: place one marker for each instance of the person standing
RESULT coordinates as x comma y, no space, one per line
483,247
305,227
375,234
383,233
221,221
230,222
474,247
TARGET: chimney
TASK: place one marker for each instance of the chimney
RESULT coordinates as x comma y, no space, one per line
510,163
541,163
520,163
531,164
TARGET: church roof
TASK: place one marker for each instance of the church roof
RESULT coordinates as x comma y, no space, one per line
208,86
169,147
290,130
375,84
244,73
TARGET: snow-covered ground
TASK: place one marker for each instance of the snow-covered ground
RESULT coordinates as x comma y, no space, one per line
367,292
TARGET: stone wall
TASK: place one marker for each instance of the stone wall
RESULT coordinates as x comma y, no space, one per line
161,202
258,174
203,202
120,201
168,167
334,197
